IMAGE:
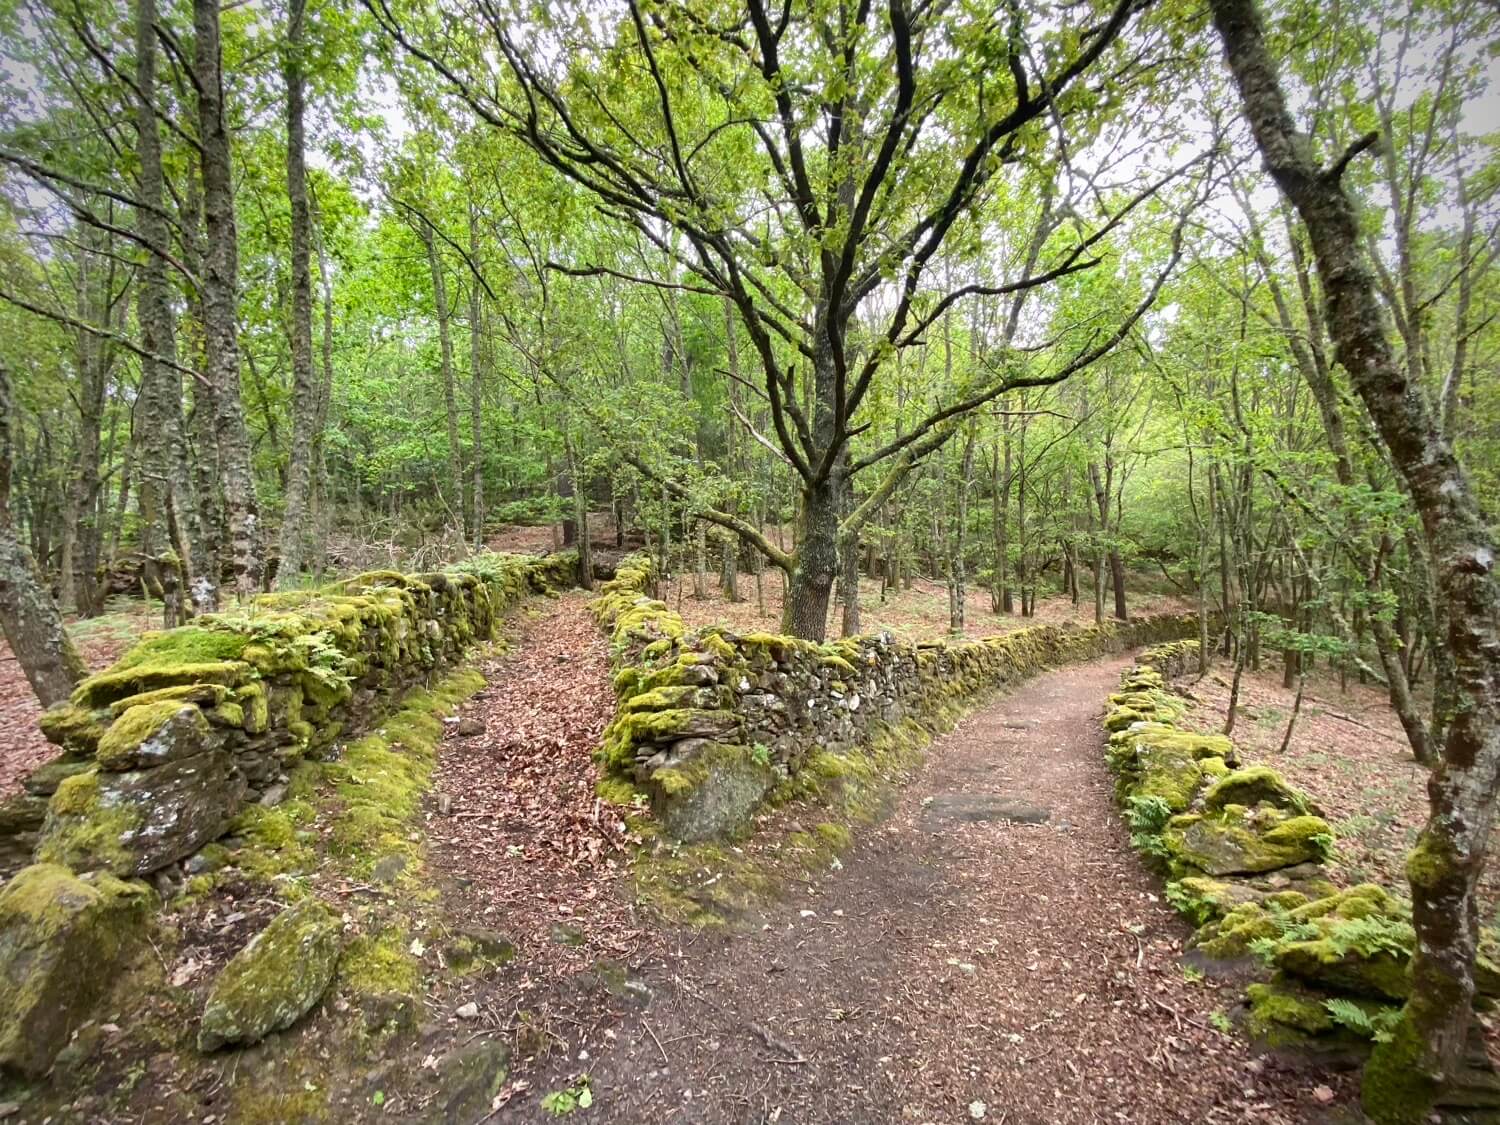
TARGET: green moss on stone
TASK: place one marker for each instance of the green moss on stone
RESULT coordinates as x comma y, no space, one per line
190,644
1234,840
274,980
204,694
618,791
74,727
1284,1005
62,937
381,964
1252,786
152,733
82,831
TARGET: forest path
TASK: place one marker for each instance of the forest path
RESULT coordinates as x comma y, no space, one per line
954,958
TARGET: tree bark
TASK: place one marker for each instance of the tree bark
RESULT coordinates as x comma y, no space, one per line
581,517
295,537
29,617
220,284
79,553
1404,1076
322,501
478,368
166,492
805,612
450,391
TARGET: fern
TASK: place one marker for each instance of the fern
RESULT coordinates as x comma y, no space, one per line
1372,934
1149,844
1147,814
1379,1025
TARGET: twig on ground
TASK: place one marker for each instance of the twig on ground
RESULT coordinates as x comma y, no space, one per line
657,1041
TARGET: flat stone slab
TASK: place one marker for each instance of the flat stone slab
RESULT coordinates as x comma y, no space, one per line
976,808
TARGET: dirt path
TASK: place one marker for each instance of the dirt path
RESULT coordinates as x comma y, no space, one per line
958,966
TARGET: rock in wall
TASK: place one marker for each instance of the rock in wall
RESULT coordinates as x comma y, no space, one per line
710,722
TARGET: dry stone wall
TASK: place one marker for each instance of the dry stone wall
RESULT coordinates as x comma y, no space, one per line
1244,854
711,723
161,750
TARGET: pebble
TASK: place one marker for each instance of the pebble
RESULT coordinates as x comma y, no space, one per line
469,1011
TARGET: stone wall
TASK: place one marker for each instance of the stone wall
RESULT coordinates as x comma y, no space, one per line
161,750
712,723
1244,854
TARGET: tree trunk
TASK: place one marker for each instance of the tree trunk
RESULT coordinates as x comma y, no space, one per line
805,612
28,616
478,365
80,544
729,568
958,569
167,490
1405,1075
581,518
206,468
322,501
700,561
450,391
220,286
295,538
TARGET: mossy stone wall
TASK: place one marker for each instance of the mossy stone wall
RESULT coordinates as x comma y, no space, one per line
711,722
161,750
1244,856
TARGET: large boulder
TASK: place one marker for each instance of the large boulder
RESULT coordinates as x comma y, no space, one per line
271,983
62,937
138,821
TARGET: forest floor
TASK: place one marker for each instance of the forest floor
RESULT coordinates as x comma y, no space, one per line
991,949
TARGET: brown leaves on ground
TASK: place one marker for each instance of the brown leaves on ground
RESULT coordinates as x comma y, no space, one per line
942,965
100,642
514,822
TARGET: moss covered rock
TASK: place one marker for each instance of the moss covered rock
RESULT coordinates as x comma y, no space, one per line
1236,840
713,795
1233,935
124,680
138,821
1167,773
76,729
1278,1005
152,733
44,780
271,983
1357,942
1202,900
469,1078
1325,962
62,937
1254,785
